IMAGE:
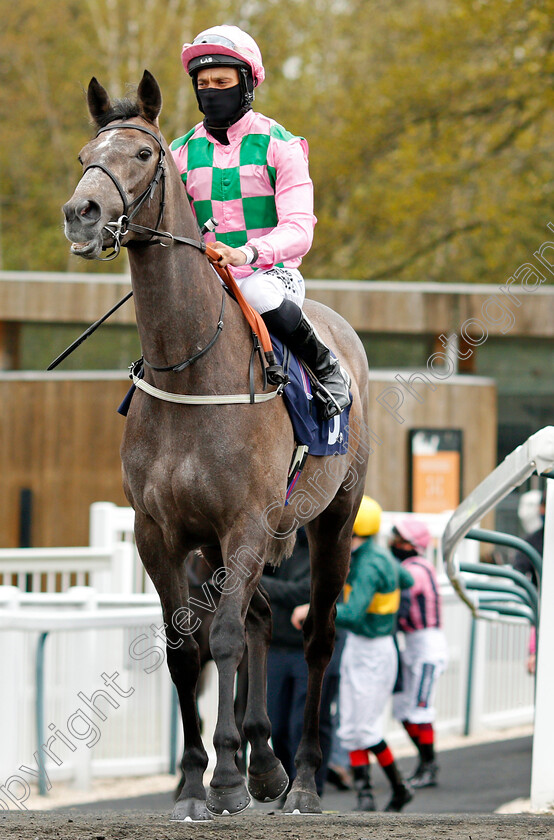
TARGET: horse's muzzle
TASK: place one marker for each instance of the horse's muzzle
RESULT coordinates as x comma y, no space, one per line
82,227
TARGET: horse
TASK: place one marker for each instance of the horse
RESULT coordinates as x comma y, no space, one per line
214,474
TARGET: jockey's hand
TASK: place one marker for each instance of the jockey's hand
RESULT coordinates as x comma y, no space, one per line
229,256
299,616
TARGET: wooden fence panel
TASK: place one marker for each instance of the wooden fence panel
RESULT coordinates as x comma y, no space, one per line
60,438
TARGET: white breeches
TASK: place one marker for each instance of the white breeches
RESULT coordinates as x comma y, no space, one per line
266,290
423,661
367,676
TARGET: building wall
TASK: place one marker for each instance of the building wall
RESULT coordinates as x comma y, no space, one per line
461,402
60,437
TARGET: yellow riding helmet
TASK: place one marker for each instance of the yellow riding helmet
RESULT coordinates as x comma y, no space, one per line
368,519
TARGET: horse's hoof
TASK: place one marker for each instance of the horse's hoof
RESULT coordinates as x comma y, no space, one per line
190,810
302,802
268,786
227,801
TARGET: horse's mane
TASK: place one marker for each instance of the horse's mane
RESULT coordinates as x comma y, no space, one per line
120,109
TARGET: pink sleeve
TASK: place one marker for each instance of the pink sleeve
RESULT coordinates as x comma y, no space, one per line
180,157
294,200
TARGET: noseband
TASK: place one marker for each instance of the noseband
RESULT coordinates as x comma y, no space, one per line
124,224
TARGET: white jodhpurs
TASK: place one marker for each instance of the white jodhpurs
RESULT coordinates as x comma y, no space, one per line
424,659
367,674
266,290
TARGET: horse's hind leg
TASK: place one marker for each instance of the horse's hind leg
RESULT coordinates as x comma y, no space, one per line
183,659
329,538
267,779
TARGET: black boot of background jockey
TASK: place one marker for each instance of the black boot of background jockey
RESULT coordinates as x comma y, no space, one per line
401,791
289,324
362,785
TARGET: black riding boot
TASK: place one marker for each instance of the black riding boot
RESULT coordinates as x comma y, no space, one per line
362,785
425,774
289,323
401,791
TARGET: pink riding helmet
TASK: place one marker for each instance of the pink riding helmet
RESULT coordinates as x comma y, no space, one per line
226,40
414,531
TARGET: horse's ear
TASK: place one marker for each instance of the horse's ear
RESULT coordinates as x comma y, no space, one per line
149,97
98,100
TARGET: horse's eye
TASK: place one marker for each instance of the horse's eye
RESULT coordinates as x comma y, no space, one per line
145,154
80,159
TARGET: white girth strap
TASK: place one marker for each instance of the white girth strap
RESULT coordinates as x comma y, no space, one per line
199,399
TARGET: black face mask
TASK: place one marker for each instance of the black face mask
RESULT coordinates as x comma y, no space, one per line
402,553
221,107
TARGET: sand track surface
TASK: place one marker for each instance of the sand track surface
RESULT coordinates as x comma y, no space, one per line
252,826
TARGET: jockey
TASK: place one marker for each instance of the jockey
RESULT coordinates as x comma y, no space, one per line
252,176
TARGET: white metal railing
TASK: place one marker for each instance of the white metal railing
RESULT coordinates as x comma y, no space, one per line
88,668
107,568
48,569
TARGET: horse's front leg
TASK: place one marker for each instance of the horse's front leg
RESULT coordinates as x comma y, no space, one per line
267,779
169,577
329,560
184,666
227,792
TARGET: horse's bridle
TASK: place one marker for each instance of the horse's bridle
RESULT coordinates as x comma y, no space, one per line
124,224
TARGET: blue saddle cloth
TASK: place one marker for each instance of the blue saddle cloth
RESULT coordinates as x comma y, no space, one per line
322,437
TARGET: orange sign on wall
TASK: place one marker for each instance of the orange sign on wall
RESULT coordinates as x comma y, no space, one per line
435,470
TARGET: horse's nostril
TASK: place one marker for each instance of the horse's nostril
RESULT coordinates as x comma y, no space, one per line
88,211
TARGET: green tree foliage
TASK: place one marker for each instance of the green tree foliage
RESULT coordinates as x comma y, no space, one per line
49,53
429,121
442,161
